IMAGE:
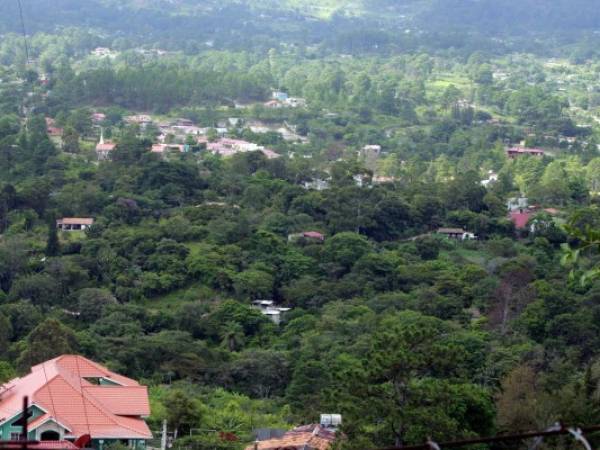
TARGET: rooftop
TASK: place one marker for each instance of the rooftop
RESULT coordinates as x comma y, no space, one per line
300,438
65,390
520,218
450,230
75,221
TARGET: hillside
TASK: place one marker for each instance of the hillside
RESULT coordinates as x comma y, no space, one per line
204,18
270,210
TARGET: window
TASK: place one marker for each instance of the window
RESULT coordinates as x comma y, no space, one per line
15,436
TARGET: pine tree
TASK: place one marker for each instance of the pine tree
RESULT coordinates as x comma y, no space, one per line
52,244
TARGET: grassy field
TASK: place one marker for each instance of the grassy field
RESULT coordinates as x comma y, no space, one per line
473,256
175,299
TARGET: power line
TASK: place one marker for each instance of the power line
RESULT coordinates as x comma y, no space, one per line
577,433
24,32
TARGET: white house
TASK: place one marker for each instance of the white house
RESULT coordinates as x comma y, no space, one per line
268,308
74,223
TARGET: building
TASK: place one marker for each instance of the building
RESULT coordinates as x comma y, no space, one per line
182,122
279,96
314,236
74,223
381,179
316,184
229,147
371,150
52,130
517,203
140,119
295,102
98,118
520,218
268,308
273,104
370,155
104,149
103,52
74,399
491,179
515,152
164,148
40,445
456,233
307,437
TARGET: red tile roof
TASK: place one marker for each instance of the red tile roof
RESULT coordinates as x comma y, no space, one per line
112,397
40,445
60,388
161,148
75,221
55,131
313,235
520,219
106,147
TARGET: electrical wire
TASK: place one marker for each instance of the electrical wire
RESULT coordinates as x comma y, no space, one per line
85,413
49,392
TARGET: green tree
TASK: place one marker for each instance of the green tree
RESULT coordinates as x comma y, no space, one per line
417,382
5,333
346,248
7,372
52,242
48,340
92,303
182,412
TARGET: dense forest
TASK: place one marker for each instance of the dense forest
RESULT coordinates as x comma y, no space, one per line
401,126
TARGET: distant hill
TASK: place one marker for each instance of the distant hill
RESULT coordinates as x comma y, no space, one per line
264,23
513,16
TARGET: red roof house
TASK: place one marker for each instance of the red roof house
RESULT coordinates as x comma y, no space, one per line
52,129
515,152
40,445
104,149
521,218
313,235
74,223
306,236
71,397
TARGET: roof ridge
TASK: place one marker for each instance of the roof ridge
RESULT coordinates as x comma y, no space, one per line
103,409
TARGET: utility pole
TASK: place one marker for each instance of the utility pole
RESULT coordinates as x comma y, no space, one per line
163,440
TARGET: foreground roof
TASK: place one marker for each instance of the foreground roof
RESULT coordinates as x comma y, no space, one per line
300,438
41,445
63,389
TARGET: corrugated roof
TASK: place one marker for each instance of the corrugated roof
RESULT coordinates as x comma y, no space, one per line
450,230
308,436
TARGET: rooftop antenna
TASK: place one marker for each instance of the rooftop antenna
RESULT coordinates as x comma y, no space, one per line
24,32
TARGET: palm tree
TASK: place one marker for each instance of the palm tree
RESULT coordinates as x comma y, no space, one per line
232,336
